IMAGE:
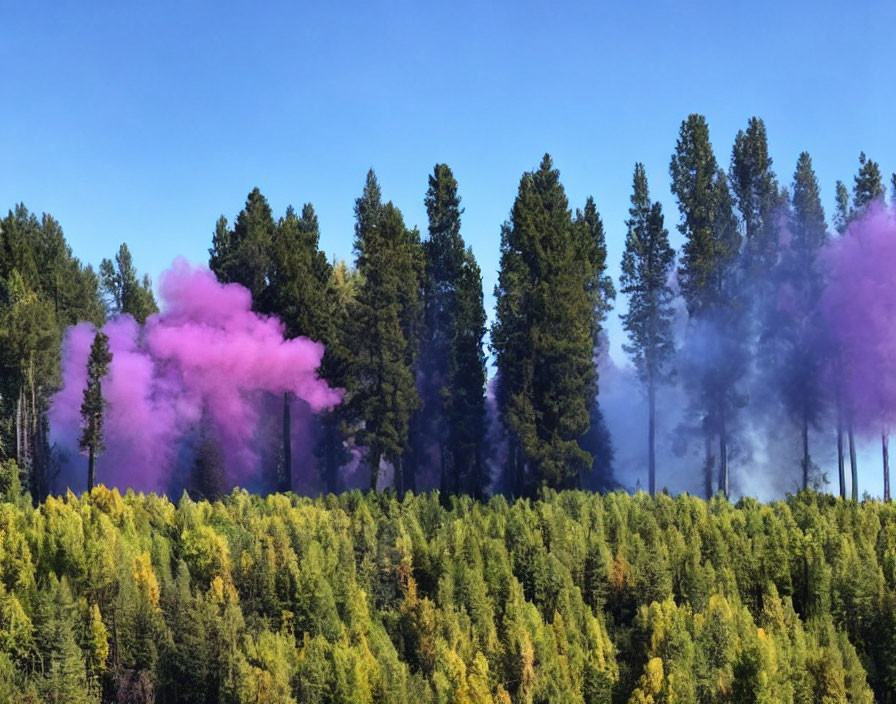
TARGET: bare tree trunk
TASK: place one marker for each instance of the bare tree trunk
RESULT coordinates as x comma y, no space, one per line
853,463
710,463
651,438
91,469
885,447
374,468
806,462
19,429
286,480
723,458
398,466
841,464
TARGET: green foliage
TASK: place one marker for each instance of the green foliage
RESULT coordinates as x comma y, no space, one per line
126,293
93,407
574,597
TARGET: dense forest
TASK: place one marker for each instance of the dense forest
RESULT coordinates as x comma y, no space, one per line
356,598
765,339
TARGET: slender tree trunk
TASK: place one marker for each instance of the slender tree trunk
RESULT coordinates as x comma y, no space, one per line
841,464
91,469
805,453
19,429
374,468
710,463
885,447
286,479
398,468
723,460
651,438
853,463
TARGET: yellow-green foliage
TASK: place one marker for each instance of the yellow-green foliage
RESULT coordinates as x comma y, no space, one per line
575,598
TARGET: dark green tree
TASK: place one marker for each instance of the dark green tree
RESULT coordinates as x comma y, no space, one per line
868,184
94,406
543,336
707,279
841,218
451,367
385,321
647,265
242,254
127,294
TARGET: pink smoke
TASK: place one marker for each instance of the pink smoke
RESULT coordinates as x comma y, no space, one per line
206,352
859,309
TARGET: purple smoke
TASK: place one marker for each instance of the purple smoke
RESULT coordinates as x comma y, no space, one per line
206,354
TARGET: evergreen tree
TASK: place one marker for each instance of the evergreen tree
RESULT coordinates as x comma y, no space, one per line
93,407
298,293
242,254
593,248
755,189
798,325
868,186
707,279
543,336
384,323
646,267
451,371
841,219
127,294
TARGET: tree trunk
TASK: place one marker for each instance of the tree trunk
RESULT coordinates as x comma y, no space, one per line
805,453
885,447
398,480
853,463
710,463
91,469
841,464
651,438
723,458
374,468
286,479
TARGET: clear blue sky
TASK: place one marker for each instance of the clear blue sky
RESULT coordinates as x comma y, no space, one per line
142,122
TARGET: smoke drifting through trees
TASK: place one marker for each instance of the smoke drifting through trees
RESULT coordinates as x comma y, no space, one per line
761,349
198,370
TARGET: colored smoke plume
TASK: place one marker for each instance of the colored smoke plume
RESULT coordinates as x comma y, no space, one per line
205,359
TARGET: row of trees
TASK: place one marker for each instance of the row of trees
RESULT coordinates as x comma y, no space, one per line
404,325
576,597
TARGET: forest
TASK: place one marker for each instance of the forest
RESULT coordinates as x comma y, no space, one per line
765,340
366,514
359,598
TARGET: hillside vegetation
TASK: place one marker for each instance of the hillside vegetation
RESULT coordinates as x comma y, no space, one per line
574,597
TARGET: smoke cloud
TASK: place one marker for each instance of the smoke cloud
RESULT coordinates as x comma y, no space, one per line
206,359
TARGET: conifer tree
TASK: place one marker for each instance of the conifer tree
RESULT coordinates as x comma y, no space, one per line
126,292
869,185
543,336
802,363
242,254
707,279
451,370
646,267
384,322
93,406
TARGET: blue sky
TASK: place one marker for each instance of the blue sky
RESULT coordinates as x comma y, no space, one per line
144,122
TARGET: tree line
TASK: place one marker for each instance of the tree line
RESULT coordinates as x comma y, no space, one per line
404,325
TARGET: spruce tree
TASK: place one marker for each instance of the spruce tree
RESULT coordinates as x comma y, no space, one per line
707,279
384,321
841,218
868,184
127,294
798,325
543,336
242,254
451,370
93,406
647,264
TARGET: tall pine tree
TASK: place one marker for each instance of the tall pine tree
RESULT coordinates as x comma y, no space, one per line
94,406
707,280
126,293
647,264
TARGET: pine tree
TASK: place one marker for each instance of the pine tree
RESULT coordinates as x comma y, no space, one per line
868,186
298,293
646,268
384,321
126,292
93,407
755,188
706,277
801,369
543,336
242,255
